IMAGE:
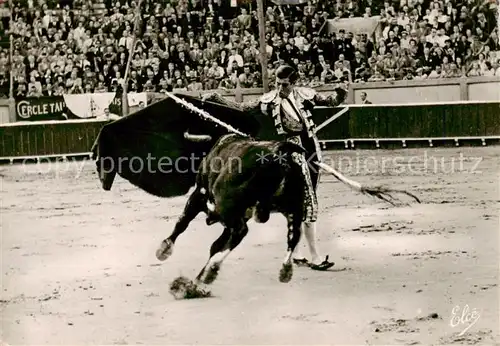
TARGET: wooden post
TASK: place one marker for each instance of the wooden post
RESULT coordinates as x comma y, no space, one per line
11,52
262,42
125,108
12,102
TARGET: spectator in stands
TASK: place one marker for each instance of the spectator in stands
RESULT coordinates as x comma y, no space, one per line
364,99
82,46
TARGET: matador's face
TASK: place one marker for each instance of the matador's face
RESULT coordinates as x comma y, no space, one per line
284,87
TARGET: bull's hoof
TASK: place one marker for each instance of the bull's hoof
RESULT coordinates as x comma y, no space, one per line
261,218
212,273
165,250
286,272
261,214
211,220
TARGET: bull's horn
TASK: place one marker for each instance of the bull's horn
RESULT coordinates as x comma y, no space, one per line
197,138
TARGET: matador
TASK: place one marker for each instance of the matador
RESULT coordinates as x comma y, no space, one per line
290,107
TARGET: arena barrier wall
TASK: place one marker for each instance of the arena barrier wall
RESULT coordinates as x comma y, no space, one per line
450,123
6,111
87,106
351,126
26,141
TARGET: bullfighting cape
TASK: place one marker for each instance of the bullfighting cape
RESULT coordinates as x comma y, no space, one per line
149,149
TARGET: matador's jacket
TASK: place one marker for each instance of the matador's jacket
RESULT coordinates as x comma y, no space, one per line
293,119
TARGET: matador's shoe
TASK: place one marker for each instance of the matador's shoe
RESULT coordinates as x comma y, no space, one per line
303,262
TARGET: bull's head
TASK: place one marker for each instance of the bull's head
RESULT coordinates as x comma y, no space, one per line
197,138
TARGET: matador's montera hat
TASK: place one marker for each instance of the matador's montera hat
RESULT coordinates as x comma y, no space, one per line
286,72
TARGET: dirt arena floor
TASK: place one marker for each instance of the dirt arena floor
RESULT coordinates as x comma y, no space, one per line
79,266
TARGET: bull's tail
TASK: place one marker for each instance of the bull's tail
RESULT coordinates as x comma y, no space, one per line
383,193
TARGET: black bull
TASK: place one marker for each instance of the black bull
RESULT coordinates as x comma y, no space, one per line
134,146
238,179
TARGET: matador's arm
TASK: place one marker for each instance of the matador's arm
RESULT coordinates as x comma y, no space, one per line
332,100
247,106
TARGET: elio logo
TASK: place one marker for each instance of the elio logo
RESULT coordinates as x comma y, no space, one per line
464,317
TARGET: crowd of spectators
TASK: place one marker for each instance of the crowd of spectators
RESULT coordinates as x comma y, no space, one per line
83,46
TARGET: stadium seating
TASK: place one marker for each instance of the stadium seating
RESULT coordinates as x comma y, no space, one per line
82,46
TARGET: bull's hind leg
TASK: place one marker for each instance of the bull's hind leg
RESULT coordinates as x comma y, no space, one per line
230,238
195,204
293,222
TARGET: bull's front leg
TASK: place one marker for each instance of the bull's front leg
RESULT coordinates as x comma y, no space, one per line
294,221
195,204
230,238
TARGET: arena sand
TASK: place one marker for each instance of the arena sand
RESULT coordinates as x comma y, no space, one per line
79,267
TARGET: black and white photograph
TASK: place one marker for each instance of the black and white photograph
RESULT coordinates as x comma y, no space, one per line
249,172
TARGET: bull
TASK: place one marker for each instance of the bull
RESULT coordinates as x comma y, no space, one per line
239,179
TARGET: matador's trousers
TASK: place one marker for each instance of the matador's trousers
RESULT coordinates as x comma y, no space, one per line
310,173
